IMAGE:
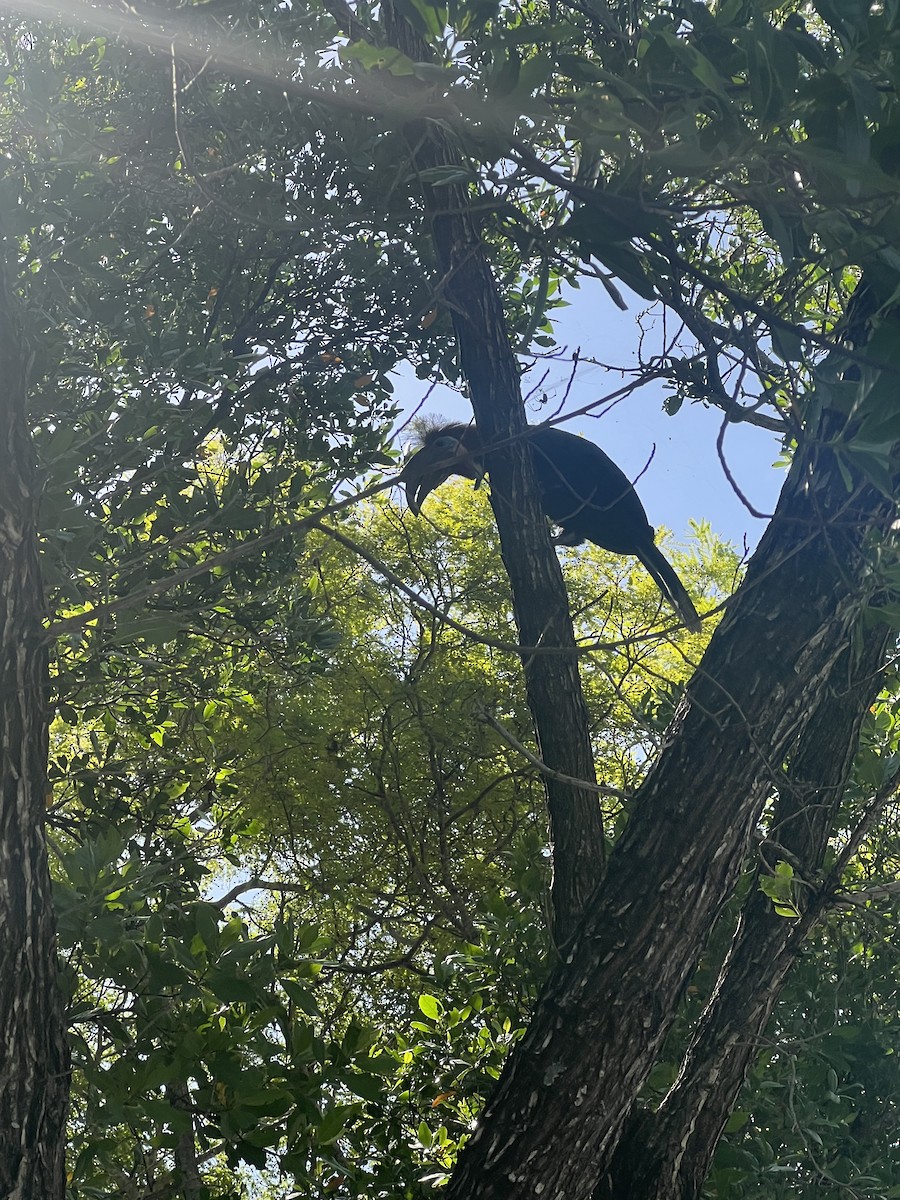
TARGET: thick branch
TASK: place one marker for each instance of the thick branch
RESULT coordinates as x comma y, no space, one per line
666,1155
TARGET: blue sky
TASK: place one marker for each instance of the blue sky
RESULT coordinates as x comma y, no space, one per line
684,481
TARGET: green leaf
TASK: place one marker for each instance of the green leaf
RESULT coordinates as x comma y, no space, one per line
431,1007
378,58
780,890
533,74
368,1087
332,1124
301,996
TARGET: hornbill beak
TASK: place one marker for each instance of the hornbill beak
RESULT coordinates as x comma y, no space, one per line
432,465
422,476
416,491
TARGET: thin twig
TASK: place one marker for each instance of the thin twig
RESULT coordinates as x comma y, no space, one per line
601,789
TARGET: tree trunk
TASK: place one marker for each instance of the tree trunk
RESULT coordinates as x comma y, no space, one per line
666,1155
540,600
34,1077
188,1179
552,1125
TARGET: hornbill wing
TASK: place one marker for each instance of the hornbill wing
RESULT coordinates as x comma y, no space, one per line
586,494
590,498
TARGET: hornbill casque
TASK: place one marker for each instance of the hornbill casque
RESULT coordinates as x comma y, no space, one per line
583,492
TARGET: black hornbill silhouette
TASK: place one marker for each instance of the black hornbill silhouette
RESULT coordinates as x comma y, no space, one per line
582,491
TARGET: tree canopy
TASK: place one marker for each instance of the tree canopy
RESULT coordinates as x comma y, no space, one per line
348,854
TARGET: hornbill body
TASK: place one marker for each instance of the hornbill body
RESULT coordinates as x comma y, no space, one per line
582,491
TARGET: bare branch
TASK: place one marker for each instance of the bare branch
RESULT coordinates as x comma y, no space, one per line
601,789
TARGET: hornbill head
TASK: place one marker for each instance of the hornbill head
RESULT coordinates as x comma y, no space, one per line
445,450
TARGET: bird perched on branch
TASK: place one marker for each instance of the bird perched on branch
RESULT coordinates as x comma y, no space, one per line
582,491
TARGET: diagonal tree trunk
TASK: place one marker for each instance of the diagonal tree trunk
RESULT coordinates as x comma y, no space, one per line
555,1119
34,1078
666,1155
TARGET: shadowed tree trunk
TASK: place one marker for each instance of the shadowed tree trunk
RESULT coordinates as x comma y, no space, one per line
33,1057
667,1155
553,1124
540,601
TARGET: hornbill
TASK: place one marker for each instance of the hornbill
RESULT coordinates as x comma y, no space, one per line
582,491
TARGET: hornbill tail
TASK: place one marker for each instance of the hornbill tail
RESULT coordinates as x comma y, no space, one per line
663,575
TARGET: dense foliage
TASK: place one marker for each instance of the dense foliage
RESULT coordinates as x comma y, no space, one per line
314,891
296,825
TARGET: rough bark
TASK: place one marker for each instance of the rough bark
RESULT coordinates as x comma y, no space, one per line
188,1180
666,1155
33,1058
553,1123
540,601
